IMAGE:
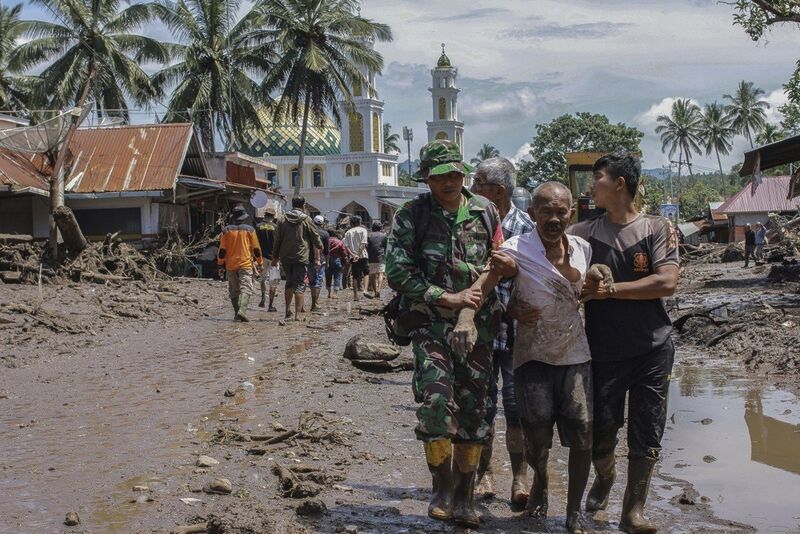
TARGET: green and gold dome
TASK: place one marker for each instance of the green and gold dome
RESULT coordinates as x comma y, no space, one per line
282,137
444,61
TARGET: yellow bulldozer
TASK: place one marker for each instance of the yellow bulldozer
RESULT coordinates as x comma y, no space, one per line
579,176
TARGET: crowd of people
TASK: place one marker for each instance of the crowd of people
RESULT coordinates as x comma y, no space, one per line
487,292
305,252
498,286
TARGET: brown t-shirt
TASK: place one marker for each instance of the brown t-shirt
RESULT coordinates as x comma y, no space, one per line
621,329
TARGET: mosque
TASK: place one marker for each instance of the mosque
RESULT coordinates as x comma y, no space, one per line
346,170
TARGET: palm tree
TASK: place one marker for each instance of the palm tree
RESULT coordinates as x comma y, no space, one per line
92,49
390,140
680,132
13,87
746,110
216,57
716,134
324,47
771,133
486,152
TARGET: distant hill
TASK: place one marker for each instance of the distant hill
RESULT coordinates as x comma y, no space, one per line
403,166
659,172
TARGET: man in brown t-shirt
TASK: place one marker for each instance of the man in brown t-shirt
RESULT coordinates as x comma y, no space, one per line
629,334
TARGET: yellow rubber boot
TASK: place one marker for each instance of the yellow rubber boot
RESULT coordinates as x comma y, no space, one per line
439,455
465,463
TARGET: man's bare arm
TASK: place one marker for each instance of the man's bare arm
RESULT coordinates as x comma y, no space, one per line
661,283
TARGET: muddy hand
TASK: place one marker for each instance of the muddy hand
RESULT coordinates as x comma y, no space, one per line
601,273
465,334
503,264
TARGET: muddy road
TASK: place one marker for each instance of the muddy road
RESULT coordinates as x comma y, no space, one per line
111,421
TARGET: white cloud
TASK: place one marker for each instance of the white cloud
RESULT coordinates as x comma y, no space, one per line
523,154
776,99
516,103
648,120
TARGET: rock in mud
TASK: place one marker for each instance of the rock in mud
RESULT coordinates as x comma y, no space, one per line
72,519
230,392
358,348
206,461
221,486
709,459
312,508
706,421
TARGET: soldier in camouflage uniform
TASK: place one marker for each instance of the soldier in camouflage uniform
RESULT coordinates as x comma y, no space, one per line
439,245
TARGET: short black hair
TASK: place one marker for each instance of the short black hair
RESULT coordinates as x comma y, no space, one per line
355,220
298,202
620,164
376,226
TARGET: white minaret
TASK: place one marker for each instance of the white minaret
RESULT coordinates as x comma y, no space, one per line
362,125
445,123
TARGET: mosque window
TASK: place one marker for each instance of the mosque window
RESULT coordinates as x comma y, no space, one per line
386,169
442,109
376,132
348,170
317,176
441,135
357,89
458,140
272,178
357,169
356,132
442,83
295,177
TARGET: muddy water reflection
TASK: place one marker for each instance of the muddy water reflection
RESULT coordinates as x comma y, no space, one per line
753,437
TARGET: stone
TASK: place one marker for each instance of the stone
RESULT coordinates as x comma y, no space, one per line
11,277
709,459
685,498
206,461
141,488
311,508
72,519
358,348
707,421
221,486
230,392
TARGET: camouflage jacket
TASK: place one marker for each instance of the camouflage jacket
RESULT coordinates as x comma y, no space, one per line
454,251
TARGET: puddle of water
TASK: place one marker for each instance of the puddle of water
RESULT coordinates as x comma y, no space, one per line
754,439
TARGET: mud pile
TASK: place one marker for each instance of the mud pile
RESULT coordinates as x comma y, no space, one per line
765,340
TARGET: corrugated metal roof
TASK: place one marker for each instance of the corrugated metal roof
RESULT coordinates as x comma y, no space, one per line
770,195
17,170
716,215
774,154
128,158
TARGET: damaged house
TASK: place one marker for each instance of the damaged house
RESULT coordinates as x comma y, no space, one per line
138,180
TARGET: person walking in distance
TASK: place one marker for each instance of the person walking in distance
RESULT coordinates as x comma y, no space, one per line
318,271
337,259
376,252
439,245
629,333
265,231
355,239
239,252
749,244
495,179
760,240
293,237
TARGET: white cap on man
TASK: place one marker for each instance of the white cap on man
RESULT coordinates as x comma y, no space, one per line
318,219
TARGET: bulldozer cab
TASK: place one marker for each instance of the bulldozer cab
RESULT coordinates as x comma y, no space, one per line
579,172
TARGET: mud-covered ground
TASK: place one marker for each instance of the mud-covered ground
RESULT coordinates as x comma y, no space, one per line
109,417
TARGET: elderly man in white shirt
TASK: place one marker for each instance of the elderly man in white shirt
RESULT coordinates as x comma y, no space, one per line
552,362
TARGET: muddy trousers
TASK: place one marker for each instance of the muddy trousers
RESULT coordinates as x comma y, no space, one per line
452,389
645,381
240,283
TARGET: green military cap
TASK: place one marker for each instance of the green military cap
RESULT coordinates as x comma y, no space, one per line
440,157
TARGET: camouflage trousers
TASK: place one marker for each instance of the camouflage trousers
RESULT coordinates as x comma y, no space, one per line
239,283
452,389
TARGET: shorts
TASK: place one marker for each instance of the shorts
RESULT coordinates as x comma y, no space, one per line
270,276
316,276
295,276
558,395
360,268
377,268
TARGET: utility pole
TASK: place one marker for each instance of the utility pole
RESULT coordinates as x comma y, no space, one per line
408,135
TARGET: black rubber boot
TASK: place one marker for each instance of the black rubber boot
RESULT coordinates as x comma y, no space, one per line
605,472
484,485
439,455
465,463
633,521
235,304
515,444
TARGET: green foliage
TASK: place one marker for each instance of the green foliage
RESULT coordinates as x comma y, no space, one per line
716,133
211,77
747,110
655,194
582,132
91,44
680,131
14,90
696,195
390,140
770,134
323,47
486,152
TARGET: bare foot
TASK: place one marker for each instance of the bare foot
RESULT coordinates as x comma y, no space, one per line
576,524
537,502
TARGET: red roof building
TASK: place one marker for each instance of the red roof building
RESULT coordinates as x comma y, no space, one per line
750,206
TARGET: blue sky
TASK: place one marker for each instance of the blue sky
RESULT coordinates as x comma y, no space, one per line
523,62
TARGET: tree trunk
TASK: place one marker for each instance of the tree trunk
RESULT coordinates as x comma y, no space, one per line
70,230
301,159
57,177
722,175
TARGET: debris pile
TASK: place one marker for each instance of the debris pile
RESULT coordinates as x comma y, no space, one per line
375,357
